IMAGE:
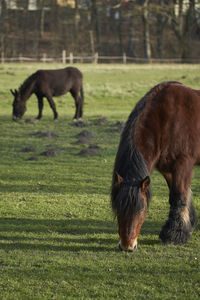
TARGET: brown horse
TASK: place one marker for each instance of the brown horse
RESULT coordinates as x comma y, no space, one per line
49,83
163,132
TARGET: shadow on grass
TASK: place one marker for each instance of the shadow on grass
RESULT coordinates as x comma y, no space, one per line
75,186
72,235
56,235
70,225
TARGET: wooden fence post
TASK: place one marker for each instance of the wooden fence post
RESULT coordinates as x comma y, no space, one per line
96,56
124,58
71,58
44,57
92,41
20,58
64,56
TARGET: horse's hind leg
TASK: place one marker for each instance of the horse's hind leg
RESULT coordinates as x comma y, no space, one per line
77,104
80,107
182,217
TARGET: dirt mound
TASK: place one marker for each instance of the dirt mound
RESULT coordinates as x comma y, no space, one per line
90,151
51,153
80,123
29,149
119,126
33,158
42,134
31,121
101,121
86,134
83,140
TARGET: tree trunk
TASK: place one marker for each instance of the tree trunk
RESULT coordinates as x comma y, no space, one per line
42,18
76,18
25,26
95,23
160,26
131,41
2,26
121,48
145,18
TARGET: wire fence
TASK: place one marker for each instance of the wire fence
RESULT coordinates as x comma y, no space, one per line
95,58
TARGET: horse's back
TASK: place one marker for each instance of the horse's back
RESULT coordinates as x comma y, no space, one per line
169,125
68,72
72,71
58,82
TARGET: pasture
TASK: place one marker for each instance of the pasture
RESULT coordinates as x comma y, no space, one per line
58,236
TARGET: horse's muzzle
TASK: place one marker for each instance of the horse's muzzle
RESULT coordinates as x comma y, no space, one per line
14,118
129,249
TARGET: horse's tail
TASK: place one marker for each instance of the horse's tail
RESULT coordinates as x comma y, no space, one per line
81,101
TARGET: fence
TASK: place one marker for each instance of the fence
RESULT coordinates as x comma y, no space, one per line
95,58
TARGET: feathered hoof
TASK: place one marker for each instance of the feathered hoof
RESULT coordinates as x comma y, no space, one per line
175,233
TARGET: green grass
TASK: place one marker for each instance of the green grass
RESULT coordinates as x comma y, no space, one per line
58,237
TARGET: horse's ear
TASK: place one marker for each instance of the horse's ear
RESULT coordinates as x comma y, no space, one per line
145,184
12,92
15,92
119,178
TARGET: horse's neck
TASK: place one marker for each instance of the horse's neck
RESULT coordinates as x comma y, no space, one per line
27,91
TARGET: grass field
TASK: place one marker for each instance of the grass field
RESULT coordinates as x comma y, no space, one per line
58,236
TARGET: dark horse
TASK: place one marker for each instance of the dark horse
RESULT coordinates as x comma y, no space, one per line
163,132
49,83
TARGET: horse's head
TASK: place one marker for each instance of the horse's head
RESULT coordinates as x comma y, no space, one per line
130,205
19,106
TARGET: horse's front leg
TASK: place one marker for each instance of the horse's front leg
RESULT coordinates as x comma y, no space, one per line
40,107
182,217
53,106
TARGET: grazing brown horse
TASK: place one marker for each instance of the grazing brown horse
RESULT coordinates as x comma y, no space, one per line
163,132
49,83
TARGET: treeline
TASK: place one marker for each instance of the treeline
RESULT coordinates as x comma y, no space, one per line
147,29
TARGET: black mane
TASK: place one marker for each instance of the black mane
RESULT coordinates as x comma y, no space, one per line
130,165
26,84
